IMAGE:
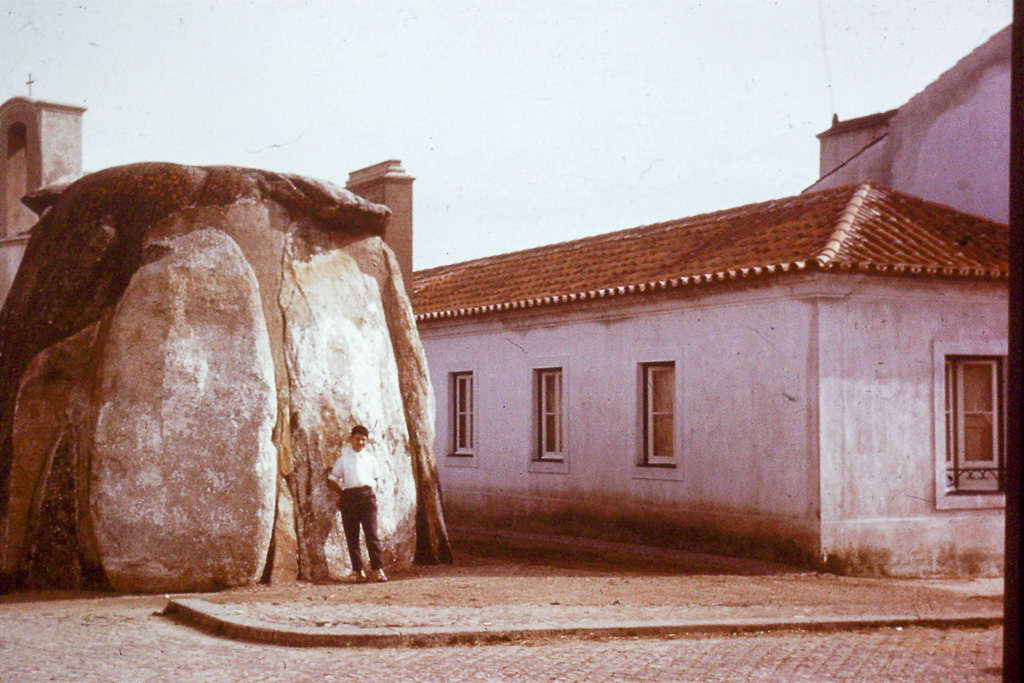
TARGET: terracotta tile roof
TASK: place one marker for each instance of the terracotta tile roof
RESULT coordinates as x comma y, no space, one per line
868,228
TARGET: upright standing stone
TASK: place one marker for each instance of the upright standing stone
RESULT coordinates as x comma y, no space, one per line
342,371
184,467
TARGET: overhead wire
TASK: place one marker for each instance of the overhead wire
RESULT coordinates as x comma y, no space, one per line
828,68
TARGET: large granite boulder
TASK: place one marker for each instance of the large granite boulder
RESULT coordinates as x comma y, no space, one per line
182,354
183,468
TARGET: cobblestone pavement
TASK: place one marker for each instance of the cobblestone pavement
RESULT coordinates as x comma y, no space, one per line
116,640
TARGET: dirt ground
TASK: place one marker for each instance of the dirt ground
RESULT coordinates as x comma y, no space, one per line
533,579
537,577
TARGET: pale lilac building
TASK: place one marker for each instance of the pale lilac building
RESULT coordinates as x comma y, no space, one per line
819,378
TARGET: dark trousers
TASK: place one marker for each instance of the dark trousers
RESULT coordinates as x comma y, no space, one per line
359,508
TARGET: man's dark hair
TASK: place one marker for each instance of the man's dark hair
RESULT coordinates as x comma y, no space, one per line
360,430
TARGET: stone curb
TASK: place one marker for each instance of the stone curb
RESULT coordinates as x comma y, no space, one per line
212,618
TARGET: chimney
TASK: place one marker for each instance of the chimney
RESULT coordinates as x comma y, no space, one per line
847,139
387,183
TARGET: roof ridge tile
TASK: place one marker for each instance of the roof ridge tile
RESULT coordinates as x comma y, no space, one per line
845,226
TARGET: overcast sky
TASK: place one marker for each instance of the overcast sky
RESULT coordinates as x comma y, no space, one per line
524,122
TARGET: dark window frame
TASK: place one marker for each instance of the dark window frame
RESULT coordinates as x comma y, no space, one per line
463,431
959,475
541,413
648,458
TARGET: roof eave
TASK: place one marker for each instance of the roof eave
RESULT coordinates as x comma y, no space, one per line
647,288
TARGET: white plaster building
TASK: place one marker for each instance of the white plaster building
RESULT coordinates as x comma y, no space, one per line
818,378
948,144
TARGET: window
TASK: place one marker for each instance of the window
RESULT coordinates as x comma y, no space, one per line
549,414
658,391
15,180
462,414
659,414
548,392
975,416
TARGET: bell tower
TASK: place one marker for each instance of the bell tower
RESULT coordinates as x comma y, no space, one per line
40,143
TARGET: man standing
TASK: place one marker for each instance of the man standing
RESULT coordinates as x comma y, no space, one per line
355,473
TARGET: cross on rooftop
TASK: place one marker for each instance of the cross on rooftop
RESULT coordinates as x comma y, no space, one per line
29,83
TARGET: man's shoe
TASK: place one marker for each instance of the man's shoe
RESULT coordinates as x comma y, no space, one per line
358,576
380,576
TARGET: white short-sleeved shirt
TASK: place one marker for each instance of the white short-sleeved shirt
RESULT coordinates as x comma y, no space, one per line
354,468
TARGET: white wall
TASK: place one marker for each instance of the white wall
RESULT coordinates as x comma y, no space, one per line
747,469
882,510
955,149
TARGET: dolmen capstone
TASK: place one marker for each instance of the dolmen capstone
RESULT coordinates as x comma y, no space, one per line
182,353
